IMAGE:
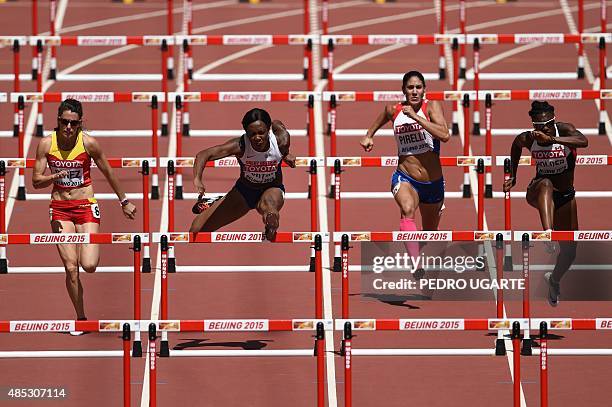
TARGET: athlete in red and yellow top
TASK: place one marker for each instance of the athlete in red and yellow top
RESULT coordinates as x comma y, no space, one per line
68,153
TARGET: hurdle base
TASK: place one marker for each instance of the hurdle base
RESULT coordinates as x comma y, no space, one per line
476,129
309,191
602,128
164,350
500,347
488,191
342,348
21,193
526,348
325,73
155,192
190,74
467,191
311,267
164,130
178,192
441,73
146,265
171,265
305,74
170,74
461,73
186,130
34,74
508,266
332,192
328,131
455,129
580,72
337,265
16,130
52,74
136,349
39,130
3,266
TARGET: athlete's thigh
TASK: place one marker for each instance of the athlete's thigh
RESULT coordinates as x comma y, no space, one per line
223,212
271,198
536,188
89,253
407,197
68,252
566,217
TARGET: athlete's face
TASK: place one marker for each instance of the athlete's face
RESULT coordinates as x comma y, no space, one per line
257,132
544,122
414,90
69,124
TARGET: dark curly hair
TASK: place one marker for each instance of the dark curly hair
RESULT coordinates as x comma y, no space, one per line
71,105
538,108
254,115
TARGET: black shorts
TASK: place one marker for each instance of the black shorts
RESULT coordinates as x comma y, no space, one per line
253,195
561,198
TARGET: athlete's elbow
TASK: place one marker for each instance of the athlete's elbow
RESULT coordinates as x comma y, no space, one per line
444,137
585,143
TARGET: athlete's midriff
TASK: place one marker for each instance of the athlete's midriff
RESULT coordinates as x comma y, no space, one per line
72,193
422,167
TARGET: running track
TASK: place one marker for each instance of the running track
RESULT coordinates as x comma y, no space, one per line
393,381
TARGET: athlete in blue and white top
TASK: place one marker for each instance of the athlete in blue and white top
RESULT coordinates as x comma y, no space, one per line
260,152
419,126
553,148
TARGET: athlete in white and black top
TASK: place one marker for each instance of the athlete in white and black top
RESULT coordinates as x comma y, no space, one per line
553,148
260,152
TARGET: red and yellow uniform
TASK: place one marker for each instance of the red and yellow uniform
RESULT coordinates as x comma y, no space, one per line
77,163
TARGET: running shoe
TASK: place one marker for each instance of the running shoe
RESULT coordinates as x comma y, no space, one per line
203,203
554,290
78,333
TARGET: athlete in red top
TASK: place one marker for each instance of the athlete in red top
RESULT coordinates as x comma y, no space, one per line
68,153
553,148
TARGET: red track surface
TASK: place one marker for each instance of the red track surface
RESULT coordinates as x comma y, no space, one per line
392,381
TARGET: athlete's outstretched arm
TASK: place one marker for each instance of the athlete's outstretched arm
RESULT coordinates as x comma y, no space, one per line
227,149
284,142
519,142
94,149
367,142
39,179
437,124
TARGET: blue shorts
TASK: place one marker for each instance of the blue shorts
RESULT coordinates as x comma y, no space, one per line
253,195
429,192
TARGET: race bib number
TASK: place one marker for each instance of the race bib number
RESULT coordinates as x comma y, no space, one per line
95,211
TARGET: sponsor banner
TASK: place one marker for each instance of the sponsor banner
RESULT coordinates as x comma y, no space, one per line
28,97
466,161
356,324
172,237
41,326
593,38
388,96
556,323
177,161
448,38
388,161
300,96
603,323
129,237
3,97
227,162
297,39
353,236
309,236
113,326
97,97
536,235
305,161
541,38
592,160
310,324
344,96
137,162
524,160
458,95
93,41
483,38
593,235
193,39
392,39
571,94
14,162
495,94
423,236
53,238
186,96
236,325
606,94
4,239
245,96
337,39
55,40
157,40
431,324
147,96
344,161
247,40
8,41
492,235
169,326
